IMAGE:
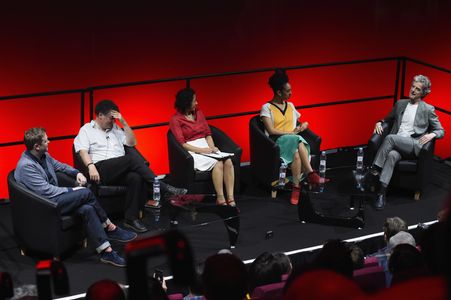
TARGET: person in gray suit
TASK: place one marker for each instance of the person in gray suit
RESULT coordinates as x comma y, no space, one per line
414,124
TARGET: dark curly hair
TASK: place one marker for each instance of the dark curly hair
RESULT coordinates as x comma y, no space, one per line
184,99
278,80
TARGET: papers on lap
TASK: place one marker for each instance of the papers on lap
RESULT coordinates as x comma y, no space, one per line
218,155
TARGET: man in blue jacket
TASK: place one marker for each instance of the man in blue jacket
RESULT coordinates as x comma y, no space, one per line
36,170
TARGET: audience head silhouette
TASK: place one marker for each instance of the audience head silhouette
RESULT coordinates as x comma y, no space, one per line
335,256
265,269
224,277
105,290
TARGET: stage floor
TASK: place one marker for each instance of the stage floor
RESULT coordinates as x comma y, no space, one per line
258,214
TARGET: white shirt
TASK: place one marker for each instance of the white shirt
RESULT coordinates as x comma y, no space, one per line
406,128
100,144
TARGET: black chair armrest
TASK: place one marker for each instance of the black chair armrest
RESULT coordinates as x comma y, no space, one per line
425,158
224,142
29,204
78,163
264,152
375,142
313,139
181,163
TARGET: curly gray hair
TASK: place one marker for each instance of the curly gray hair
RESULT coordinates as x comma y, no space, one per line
424,80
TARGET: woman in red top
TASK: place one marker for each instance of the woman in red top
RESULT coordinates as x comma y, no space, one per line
191,130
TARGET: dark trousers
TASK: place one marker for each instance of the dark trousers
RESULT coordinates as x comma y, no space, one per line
130,171
83,202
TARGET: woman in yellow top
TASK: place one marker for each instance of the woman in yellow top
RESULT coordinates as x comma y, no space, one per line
280,118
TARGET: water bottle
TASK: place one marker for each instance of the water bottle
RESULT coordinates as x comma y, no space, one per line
156,214
359,168
282,174
322,164
359,163
156,190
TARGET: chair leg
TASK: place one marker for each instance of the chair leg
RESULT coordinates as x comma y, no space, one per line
85,243
417,195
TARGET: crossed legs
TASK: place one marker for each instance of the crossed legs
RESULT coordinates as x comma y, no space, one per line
300,164
392,150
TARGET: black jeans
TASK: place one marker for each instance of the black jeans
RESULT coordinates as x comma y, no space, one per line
130,171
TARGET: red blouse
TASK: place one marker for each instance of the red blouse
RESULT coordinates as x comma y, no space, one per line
185,130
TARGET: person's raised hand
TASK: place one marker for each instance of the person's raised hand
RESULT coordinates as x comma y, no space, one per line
118,116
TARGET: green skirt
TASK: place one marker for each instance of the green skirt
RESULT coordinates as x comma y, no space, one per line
288,145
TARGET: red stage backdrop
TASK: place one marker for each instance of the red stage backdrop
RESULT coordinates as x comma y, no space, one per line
60,46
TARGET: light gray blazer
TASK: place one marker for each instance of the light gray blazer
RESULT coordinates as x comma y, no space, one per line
426,121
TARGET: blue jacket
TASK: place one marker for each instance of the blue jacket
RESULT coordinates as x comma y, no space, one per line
31,174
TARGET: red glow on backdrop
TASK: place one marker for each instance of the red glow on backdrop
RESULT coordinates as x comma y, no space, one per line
60,114
69,46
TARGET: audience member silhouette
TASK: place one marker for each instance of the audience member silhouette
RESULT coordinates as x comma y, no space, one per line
322,284
156,290
225,278
105,290
357,256
335,256
284,261
406,262
265,269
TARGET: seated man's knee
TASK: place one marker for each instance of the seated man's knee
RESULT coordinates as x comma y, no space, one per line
86,209
85,193
134,180
390,138
393,156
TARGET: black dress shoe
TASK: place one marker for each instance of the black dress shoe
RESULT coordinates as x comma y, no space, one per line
380,201
135,225
175,191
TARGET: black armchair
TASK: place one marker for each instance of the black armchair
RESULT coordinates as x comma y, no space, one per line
408,173
110,197
38,223
265,154
181,163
